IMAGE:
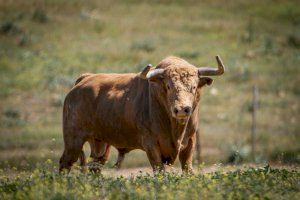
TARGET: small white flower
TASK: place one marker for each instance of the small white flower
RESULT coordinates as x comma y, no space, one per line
214,91
221,115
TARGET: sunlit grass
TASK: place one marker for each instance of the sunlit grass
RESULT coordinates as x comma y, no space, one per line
251,183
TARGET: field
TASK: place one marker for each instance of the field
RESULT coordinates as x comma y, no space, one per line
45,45
261,183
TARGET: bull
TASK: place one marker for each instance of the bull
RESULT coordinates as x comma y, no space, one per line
155,110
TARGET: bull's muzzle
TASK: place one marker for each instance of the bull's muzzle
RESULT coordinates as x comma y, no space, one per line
182,113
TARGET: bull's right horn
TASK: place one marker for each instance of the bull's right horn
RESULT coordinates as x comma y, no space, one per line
208,71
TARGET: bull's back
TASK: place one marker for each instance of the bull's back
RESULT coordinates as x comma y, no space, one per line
102,104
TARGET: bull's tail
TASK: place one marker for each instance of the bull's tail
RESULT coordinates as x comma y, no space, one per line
81,77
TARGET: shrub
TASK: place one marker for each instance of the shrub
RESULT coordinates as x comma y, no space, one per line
9,27
145,45
40,16
286,156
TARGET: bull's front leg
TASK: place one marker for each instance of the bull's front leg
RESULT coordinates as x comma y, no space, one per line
154,156
186,155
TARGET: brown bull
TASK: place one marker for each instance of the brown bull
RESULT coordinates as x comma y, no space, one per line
155,111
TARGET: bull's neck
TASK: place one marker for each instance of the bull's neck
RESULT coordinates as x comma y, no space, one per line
162,119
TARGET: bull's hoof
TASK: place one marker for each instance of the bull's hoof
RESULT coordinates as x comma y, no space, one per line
117,167
84,169
188,171
95,167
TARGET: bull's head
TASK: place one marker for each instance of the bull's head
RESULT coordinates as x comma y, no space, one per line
177,84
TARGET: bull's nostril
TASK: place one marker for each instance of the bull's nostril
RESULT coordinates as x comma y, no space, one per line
175,110
187,110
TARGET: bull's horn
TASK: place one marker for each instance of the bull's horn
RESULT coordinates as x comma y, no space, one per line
145,71
154,72
208,71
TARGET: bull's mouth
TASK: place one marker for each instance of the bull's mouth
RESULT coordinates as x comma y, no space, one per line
182,121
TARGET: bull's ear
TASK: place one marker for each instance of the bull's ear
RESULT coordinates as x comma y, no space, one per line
205,81
145,71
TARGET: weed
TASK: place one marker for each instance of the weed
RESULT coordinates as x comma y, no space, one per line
249,35
11,118
189,54
294,41
10,27
24,39
286,157
145,45
40,16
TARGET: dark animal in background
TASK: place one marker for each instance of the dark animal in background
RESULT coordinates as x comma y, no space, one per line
155,111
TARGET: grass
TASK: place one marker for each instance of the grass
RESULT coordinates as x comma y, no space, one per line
250,183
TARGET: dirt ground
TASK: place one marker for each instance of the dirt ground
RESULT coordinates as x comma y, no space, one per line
131,172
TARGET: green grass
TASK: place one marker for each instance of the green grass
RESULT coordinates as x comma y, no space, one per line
51,43
251,183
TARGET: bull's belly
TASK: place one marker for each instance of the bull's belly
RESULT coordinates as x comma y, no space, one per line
119,137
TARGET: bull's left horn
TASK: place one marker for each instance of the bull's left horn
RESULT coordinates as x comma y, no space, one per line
145,71
208,71
155,72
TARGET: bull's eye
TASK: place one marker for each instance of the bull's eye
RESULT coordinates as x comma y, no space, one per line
168,86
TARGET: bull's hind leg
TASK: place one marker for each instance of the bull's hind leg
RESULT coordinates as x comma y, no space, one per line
104,156
72,151
121,156
99,153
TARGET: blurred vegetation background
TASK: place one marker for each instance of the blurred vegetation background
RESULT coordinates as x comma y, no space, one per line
46,44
